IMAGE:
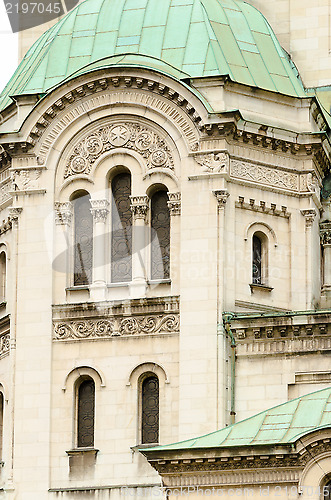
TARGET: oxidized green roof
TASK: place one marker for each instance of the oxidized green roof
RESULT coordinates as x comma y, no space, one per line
283,424
182,38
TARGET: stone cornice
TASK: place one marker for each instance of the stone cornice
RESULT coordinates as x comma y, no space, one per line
262,207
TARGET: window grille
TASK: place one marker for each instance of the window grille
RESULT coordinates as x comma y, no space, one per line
121,244
257,260
160,244
86,402
1,425
150,410
83,241
2,276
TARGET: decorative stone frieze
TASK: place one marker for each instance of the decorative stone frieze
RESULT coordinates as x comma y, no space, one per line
213,162
259,174
63,213
100,210
221,195
139,207
127,319
4,336
309,214
26,179
262,207
128,135
325,233
174,203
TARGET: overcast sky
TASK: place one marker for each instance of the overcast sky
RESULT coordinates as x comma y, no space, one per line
8,48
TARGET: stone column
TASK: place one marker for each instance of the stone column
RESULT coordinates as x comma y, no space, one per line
174,205
139,208
99,211
309,215
325,235
63,244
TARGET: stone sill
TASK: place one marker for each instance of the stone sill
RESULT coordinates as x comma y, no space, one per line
82,451
262,288
159,282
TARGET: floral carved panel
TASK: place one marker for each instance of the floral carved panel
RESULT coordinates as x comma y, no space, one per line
264,175
128,135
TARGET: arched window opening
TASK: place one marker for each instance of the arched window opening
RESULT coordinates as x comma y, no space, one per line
160,236
150,410
83,245
85,413
257,260
1,424
3,272
121,238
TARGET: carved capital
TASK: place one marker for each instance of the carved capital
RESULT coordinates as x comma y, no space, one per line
309,214
99,210
325,233
221,195
174,203
14,213
63,213
139,207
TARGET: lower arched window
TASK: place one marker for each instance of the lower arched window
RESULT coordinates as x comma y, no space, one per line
160,236
83,245
85,413
150,410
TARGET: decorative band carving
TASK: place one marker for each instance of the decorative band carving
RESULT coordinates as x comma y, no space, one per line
264,175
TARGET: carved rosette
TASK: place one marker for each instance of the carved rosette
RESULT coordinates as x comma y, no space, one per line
14,213
309,214
213,162
127,135
115,327
221,195
174,203
325,233
139,207
63,213
99,210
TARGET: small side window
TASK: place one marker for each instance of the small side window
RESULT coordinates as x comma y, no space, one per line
259,259
85,413
150,410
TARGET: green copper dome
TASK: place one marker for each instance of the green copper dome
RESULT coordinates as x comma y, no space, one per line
181,38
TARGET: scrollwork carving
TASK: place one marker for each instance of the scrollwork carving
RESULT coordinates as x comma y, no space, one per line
131,135
264,175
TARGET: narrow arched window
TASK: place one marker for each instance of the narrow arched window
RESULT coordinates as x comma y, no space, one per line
150,410
3,272
83,245
257,260
121,237
1,424
160,236
85,413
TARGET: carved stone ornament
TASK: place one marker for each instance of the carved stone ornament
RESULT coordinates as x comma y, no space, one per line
221,195
5,191
99,210
174,203
139,207
118,326
264,175
325,233
309,214
4,344
213,162
14,213
63,213
127,135
25,179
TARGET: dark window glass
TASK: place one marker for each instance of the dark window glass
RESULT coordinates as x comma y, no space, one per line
86,397
2,276
150,410
83,241
1,423
121,244
160,245
327,491
257,260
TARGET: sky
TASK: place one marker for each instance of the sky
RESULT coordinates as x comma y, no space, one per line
8,48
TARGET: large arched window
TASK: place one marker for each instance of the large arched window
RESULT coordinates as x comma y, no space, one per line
85,413
121,238
259,259
3,272
150,409
83,244
160,236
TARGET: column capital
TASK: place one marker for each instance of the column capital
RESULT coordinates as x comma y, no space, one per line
174,203
221,195
63,213
325,233
139,207
99,210
309,214
14,213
